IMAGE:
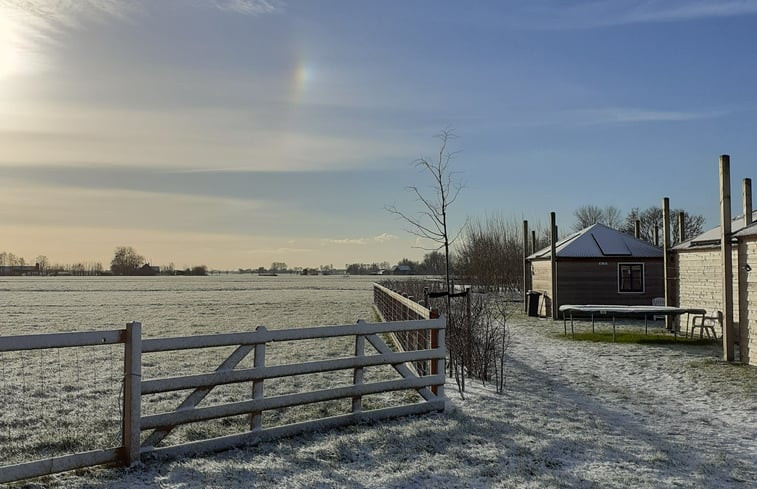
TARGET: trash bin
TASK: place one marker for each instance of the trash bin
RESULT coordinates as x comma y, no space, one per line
533,303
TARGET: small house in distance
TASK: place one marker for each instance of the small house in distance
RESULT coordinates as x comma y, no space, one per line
597,265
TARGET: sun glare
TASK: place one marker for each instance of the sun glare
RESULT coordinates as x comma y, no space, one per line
14,57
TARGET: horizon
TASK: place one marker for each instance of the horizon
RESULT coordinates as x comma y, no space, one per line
237,133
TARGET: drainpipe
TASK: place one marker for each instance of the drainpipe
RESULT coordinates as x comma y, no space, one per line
743,274
553,262
526,272
666,256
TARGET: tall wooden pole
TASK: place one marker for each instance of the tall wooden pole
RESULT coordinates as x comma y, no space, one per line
526,271
746,186
725,257
681,227
666,257
553,261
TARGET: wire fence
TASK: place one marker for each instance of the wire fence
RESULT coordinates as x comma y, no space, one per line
59,401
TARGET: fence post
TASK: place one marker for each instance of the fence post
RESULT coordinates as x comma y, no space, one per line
256,418
130,429
357,376
437,366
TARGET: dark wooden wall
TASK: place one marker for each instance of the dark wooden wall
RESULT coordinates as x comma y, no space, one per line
586,281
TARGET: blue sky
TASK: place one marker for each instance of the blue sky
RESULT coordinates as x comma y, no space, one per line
236,133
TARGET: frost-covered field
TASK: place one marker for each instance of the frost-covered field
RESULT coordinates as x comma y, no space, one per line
575,414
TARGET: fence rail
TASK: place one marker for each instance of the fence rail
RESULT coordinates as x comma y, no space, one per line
135,446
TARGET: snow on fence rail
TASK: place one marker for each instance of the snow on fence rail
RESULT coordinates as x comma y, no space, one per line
134,445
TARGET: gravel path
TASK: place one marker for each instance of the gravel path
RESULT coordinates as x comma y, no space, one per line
576,414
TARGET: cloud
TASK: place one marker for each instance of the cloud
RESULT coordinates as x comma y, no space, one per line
250,7
612,115
381,238
347,241
384,237
586,14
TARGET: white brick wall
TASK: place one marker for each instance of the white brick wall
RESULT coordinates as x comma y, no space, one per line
699,284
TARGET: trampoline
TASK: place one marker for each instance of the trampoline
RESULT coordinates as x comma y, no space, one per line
613,310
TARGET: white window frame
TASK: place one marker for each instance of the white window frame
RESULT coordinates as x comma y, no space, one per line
643,278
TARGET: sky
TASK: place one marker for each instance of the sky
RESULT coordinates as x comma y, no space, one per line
236,133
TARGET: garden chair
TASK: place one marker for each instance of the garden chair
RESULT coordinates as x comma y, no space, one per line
658,301
706,324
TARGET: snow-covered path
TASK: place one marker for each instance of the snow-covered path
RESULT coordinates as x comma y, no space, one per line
575,414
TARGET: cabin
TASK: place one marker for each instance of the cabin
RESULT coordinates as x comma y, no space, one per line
698,278
597,265
402,270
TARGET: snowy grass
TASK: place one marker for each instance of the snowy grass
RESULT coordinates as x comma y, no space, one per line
575,414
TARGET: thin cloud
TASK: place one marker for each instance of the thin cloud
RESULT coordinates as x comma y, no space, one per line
347,241
381,238
251,7
613,115
632,115
588,14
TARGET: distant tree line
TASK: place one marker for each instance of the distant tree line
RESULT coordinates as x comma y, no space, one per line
126,261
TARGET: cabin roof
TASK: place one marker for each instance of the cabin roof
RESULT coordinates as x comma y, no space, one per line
711,237
600,241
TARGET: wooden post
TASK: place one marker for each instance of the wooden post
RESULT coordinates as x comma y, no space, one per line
746,186
357,376
256,418
436,365
637,229
743,279
666,257
681,227
437,341
553,261
526,274
132,393
726,259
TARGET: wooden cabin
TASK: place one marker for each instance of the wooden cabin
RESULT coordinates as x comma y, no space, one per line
597,265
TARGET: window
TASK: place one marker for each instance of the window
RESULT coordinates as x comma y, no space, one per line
630,277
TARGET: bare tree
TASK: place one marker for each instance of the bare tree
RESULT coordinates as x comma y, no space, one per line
588,215
653,216
431,222
125,261
43,263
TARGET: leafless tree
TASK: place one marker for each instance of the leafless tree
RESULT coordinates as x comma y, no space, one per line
126,260
431,222
653,216
588,215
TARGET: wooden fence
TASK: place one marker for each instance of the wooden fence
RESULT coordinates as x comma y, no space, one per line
395,306
135,446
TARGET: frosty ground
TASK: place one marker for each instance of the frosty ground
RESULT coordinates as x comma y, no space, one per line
575,414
